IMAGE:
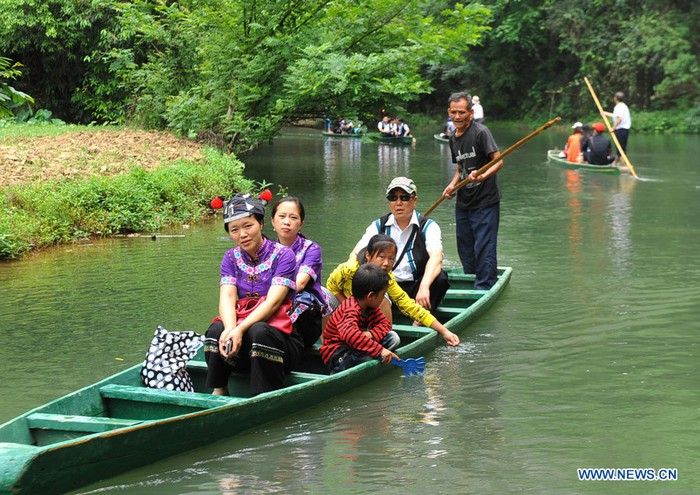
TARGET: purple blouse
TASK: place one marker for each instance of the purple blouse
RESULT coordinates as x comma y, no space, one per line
309,261
273,264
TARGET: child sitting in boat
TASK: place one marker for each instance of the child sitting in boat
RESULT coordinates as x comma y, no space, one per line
381,252
358,331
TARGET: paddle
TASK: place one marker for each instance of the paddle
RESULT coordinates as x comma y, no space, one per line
410,366
490,164
610,130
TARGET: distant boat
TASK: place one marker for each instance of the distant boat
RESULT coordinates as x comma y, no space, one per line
553,156
392,139
339,135
441,138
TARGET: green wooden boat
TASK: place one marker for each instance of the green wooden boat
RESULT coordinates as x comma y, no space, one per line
553,156
118,424
441,138
391,139
343,136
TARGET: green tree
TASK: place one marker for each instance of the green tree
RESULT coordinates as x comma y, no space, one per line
53,39
10,98
534,59
238,69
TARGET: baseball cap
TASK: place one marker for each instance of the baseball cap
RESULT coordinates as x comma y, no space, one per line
577,124
402,183
599,126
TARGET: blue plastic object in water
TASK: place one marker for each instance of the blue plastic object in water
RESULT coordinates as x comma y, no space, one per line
411,366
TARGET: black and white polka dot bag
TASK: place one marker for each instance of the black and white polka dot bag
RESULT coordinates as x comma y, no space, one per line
167,358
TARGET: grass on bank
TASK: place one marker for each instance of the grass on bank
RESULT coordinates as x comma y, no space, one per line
9,130
38,215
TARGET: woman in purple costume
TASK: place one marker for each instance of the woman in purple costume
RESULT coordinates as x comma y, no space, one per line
311,303
256,267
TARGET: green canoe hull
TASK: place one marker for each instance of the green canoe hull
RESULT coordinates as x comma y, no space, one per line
553,156
391,139
118,424
342,136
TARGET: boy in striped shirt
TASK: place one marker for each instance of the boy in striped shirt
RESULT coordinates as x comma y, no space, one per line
358,331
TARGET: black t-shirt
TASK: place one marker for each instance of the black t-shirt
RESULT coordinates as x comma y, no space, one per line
599,150
471,151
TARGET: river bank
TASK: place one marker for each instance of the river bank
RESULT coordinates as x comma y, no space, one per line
65,183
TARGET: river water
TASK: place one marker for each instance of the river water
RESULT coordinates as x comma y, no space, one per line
588,360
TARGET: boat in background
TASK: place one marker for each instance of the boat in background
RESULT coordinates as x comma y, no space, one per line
345,136
392,139
119,424
553,156
441,138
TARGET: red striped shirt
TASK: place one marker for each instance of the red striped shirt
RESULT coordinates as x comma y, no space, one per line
345,326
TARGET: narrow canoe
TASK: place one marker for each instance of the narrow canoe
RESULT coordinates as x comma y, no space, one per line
345,136
391,139
442,139
118,424
553,156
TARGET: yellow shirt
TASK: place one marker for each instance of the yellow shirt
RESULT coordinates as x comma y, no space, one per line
340,282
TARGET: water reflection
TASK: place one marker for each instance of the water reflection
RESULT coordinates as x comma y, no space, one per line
393,161
619,211
345,152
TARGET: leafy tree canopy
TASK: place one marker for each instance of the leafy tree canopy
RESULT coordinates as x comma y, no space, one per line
234,71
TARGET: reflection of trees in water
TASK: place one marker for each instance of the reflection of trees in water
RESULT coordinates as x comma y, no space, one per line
599,215
445,154
620,214
338,151
393,160
573,202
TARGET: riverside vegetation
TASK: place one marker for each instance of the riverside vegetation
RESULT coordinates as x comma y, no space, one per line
65,183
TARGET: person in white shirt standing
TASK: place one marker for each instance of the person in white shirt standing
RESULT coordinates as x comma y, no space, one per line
478,110
622,122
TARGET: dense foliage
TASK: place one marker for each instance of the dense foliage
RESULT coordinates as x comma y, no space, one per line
233,71
535,58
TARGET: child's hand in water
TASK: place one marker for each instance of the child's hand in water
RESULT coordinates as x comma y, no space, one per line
386,356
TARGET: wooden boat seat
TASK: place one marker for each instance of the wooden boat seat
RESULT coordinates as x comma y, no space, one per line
171,397
411,332
465,294
448,311
295,377
65,422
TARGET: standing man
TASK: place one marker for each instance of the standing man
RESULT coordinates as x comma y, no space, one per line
418,264
478,110
477,211
622,122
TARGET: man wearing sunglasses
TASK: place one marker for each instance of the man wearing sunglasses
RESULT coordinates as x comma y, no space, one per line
477,212
418,265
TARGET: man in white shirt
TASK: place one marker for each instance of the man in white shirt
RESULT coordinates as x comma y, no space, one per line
384,126
418,266
478,110
621,124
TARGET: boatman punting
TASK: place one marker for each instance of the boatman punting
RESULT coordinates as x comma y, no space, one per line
477,212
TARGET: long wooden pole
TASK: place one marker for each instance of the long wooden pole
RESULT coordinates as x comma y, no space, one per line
490,164
610,130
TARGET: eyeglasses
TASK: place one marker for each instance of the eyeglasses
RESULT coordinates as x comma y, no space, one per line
403,197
